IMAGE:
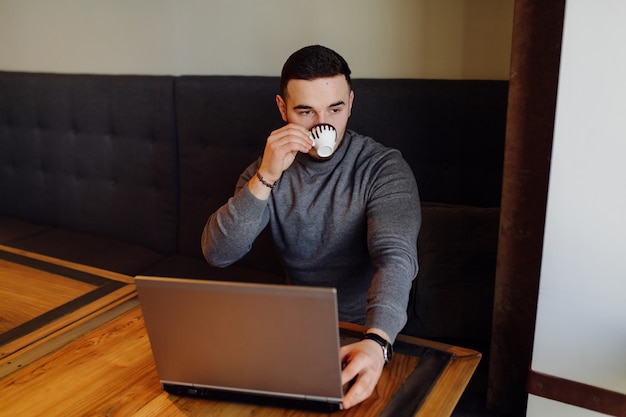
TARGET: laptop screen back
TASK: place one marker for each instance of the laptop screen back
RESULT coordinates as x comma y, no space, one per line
263,339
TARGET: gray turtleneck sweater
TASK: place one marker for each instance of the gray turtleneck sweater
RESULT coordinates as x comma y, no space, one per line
350,222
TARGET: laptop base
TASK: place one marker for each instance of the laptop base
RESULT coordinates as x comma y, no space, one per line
263,400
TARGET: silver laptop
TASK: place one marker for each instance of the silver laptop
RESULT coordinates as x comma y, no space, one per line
268,344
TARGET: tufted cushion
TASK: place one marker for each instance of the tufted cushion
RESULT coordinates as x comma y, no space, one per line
91,153
451,132
12,228
95,250
452,297
223,123
182,266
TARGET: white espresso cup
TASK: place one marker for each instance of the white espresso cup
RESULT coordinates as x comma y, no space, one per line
324,137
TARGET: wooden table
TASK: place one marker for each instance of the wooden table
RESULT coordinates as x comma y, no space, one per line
46,302
104,367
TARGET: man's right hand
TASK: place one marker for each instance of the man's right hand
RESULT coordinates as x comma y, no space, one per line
281,149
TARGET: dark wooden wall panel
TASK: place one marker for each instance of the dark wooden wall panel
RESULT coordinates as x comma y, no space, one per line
536,47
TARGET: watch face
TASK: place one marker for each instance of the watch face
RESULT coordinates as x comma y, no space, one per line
388,351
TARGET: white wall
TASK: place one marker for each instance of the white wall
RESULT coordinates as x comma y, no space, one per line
581,318
456,39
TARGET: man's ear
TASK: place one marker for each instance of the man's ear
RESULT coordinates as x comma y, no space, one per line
282,107
351,101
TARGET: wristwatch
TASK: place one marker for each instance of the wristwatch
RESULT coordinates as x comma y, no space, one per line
387,348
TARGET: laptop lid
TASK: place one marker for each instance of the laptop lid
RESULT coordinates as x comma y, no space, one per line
253,340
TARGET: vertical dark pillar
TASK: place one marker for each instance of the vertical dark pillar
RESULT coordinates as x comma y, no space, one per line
536,47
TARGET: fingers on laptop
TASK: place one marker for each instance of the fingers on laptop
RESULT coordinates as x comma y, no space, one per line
358,364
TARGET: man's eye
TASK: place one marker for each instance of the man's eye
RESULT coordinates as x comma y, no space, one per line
305,112
335,110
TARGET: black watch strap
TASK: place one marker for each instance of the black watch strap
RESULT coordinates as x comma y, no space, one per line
387,348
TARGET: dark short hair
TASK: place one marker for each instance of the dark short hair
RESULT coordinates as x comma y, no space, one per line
312,62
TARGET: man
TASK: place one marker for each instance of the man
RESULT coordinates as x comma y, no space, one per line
348,221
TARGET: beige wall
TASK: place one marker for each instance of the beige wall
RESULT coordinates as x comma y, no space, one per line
455,39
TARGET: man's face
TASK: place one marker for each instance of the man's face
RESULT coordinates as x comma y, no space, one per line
322,100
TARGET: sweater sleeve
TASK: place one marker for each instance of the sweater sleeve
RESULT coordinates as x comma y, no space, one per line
393,223
231,230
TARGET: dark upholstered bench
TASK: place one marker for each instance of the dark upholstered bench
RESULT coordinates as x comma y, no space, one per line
121,172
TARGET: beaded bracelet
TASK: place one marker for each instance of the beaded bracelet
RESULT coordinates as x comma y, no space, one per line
267,184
